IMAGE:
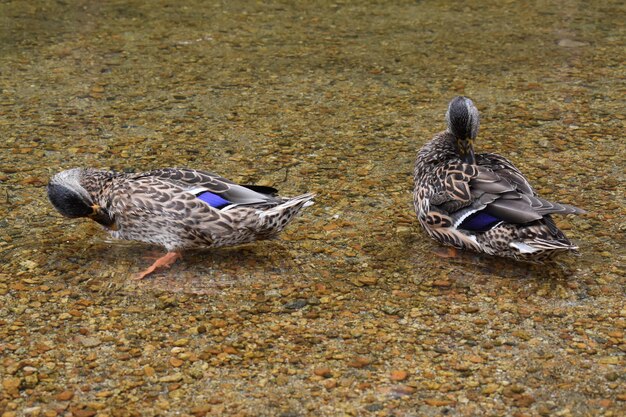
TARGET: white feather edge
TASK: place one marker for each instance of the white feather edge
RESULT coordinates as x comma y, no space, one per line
197,190
523,247
463,217
280,207
458,222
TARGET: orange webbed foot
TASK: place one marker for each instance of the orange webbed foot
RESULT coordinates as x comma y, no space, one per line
165,261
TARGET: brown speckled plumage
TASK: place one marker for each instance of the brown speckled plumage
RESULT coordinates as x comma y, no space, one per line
162,206
455,188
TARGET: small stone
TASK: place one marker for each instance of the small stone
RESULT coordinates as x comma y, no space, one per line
475,359
11,385
517,389
175,362
404,390
360,362
367,280
65,395
441,283
89,341
490,389
330,383
399,375
181,342
522,334
296,304
28,264
403,231
323,372
218,323
171,378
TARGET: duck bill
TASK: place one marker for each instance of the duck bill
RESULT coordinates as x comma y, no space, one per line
469,157
466,150
103,217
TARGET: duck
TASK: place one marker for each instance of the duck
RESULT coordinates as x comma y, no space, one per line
177,208
482,202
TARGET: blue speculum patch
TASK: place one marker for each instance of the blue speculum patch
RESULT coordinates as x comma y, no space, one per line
213,200
479,222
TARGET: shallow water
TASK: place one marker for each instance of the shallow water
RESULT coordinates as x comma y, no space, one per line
334,98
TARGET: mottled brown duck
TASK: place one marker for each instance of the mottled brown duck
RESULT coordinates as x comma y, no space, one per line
482,201
175,208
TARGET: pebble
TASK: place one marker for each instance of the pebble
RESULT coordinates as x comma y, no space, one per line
330,383
323,372
296,305
404,231
11,385
367,280
399,375
65,395
171,378
360,362
175,362
490,389
88,341
181,342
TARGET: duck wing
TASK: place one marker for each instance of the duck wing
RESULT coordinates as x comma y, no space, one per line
199,182
505,169
479,196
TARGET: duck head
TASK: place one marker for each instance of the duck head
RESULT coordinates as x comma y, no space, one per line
68,195
463,122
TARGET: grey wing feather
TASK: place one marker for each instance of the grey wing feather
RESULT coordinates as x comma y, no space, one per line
500,189
193,179
505,169
513,211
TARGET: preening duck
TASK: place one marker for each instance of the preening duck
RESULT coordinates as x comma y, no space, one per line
175,208
482,201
